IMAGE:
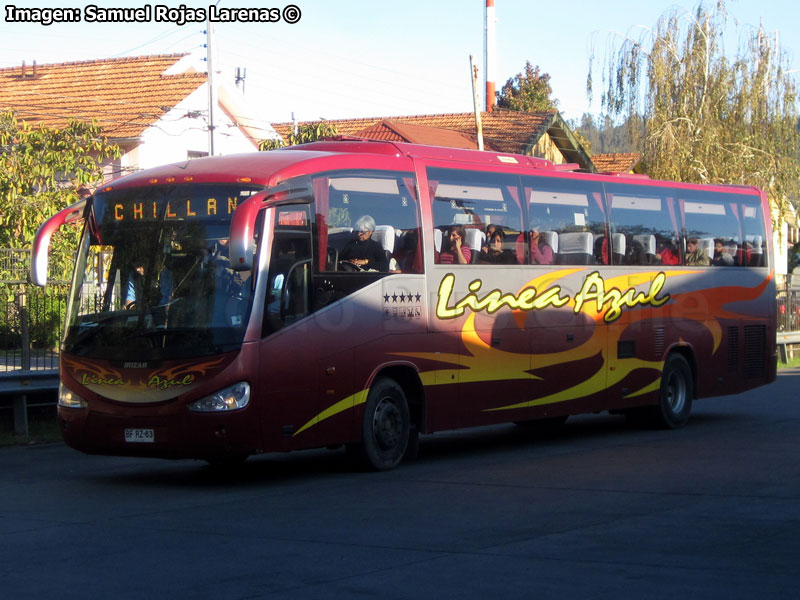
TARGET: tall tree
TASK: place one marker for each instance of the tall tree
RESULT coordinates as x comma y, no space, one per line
528,91
604,135
40,169
704,117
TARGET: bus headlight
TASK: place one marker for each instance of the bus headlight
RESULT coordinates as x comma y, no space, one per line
69,399
231,398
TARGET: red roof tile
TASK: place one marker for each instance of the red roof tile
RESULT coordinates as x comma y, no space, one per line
390,130
503,130
124,95
616,162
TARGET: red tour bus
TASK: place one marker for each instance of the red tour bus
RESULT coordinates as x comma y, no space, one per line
361,293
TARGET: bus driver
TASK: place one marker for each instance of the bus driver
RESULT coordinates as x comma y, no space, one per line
362,251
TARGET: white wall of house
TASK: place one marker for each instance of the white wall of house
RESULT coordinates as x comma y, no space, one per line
177,134
182,133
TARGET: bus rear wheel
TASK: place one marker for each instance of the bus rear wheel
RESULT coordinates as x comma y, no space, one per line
386,427
674,398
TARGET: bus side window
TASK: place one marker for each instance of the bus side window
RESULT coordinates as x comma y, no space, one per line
567,222
715,227
362,220
468,206
643,225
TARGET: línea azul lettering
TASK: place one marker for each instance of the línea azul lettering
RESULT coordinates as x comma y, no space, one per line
527,299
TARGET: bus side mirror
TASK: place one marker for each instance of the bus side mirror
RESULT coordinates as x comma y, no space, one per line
40,249
243,224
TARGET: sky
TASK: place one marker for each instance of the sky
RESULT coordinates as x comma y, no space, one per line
371,58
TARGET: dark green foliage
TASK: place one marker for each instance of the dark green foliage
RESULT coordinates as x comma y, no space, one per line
529,91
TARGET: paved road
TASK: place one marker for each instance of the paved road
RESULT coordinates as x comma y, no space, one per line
603,511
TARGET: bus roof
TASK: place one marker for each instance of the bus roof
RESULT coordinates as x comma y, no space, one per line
260,168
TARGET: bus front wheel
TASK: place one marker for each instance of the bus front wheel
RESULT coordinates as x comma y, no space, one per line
386,427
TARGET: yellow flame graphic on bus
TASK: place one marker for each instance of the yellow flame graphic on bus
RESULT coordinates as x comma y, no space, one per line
597,299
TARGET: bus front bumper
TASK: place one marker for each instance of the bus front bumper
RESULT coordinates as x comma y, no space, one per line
179,435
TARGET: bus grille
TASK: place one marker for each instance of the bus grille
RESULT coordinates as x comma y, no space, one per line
659,340
733,349
755,342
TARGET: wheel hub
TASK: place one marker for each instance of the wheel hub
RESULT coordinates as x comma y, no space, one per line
387,424
676,393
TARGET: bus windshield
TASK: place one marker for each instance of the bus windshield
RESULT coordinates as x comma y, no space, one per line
153,277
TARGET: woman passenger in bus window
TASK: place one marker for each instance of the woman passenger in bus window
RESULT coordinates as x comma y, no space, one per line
495,254
541,252
455,252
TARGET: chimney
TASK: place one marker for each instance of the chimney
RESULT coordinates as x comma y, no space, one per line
489,48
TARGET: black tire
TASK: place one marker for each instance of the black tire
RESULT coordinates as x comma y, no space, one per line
386,427
675,396
412,449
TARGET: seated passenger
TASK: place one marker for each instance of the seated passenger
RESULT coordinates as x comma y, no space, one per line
636,254
490,229
695,255
454,250
667,254
495,254
721,256
541,252
134,287
406,253
362,251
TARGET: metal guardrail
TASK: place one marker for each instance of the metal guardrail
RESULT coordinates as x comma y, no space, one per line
785,340
31,321
15,387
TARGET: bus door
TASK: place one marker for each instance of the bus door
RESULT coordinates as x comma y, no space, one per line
287,354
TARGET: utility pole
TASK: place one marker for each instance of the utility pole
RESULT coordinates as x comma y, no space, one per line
212,95
489,50
475,101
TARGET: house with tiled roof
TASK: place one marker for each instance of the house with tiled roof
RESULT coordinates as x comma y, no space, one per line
154,107
617,162
542,134
395,131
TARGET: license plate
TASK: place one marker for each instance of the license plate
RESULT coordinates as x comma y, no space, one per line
140,436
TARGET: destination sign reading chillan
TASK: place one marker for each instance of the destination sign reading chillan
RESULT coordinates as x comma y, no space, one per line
190,208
